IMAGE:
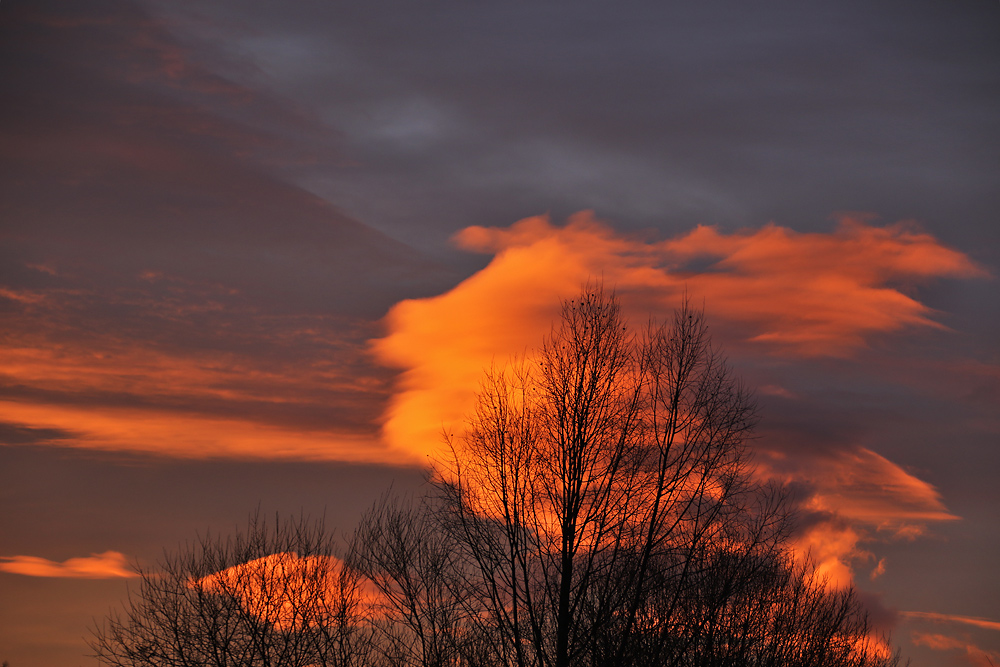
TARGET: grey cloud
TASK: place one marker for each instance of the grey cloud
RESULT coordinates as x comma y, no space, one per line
742,113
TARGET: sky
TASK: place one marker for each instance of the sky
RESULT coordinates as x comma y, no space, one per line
258,255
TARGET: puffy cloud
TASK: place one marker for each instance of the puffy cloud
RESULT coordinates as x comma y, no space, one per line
774,292
794,295
286,589
107,565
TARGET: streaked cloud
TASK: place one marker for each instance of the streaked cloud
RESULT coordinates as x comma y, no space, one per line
976,621
861,485
143,376
171,434
166,140
107,565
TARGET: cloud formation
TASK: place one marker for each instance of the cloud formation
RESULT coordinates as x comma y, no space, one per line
287,590
975,621
773,294
107,565
182,368
166,288
792,295
851,495
973,654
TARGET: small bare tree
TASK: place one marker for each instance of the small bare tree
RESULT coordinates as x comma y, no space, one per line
419,618
270,596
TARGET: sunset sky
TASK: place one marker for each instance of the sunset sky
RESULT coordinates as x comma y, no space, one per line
258,254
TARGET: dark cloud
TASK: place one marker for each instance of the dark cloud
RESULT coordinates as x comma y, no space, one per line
126,158
19,434
660,115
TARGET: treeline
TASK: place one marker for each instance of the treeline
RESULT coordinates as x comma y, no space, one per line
599,509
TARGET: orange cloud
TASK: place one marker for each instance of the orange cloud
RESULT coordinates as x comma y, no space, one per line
797,294
107,565
859,491
863,486
810,294
831,546
952,618
300,391
794,294
109,365
166,433
974,655
288,590
789,294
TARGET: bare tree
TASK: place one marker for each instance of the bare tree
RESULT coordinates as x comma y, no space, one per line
272,596
611,462
600,510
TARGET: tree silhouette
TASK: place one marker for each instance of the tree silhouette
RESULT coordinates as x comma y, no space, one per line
600,510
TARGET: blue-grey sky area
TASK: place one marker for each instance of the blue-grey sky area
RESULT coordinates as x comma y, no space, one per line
255,254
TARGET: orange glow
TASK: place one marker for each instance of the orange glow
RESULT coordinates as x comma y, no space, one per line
163,433
799,295
859,490
288,590
107,565
832,546
126,367
952,618
863,486
973,654
792,295
116,394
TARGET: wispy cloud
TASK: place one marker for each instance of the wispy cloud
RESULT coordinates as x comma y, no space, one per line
244,385
807,294
176,434
976,621
973,654
107,565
